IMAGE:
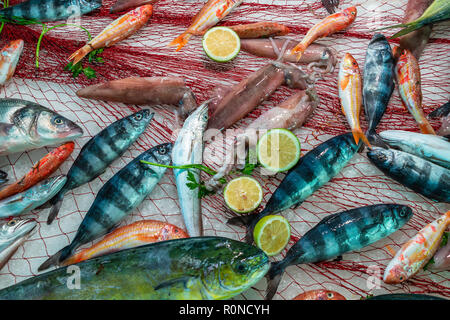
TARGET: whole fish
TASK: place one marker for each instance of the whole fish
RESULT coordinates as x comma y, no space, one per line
319,295
420,175
350,94
119,196
50,10
3,177
31,198
407,75
43,169
116,31
212,12
444,113
438,11
331,24
12,235
339,233
441,259
427,146
378,83
246,95
130,236
121,5
99,152
405,296
259,30
415,253
26,125
181,269
188,149
9,57
311,172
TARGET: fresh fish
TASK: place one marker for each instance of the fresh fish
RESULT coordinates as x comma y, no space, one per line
43,169
119,196
330,5
212,12
320,295
331,24
378,83
245,96
415,253
130,236
188,149
121,5
116,31
407,75
181,269
443,112
350,94
3,177
427,146
32,198
312,171
9,57
99,152
12,235
26,125
420,175
339,233
405,296
259,30
441,259
50,10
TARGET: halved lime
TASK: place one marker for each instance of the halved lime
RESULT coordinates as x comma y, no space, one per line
243,194
221,44
272,234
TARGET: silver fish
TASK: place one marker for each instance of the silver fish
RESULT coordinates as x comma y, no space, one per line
32,198
188,149
26,125
12,235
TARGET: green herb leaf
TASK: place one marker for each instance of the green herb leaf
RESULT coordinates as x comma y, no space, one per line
444,239
428,264
89,73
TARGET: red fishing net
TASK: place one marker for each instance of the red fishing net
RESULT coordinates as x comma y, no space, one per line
147,54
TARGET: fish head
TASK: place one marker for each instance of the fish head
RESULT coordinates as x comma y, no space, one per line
169,231
396,217
350,13
15,229
47,188
161,153
380,43
15,46
349,63
145,11
382,157
198,119
141,119
395,274
394,137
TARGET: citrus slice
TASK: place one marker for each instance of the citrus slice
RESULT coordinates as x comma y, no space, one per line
243,194
221,44
278,150
272,234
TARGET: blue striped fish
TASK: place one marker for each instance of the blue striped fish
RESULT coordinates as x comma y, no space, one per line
312,171
340,233
117,198
99,152
420,175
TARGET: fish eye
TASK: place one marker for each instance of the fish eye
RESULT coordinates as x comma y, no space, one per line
330,295
138,117
162,150
58,121
12,223
353,12
401,278
241,268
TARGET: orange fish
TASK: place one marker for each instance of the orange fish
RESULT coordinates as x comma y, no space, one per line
260,30
320,295
133,235
119,29
331,24
9,57
40,171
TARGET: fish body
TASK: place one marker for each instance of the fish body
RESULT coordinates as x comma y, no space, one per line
415,253
31,198
427,146
119,196
121,5
100,151
350,94
378,83
260,30
116,31
441,259
188,149
12,235
50,10
420,175
407,75
339,233
211,13
130,236
331,24
405,296
9,57
43,169
319,295
26,125
181,269
3,177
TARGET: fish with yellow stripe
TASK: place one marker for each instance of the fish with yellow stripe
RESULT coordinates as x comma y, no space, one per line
350,94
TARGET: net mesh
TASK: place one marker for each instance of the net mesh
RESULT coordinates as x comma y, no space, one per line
146,54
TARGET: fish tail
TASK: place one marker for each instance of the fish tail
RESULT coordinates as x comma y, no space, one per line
181,40
358,134
299,49
375,139
249,221
56,203
425,127
273,278
57,258
78,55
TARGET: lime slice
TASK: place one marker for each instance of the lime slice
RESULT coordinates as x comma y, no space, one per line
243,194
278,150
221,44
272,234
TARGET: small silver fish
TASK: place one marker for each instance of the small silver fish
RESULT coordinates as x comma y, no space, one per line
12,235
9,57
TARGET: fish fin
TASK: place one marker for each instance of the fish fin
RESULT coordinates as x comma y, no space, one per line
243,220
409,28
78,55
358,134
173,282
442,111
425,127
181,40
295,206
52,261
299,49
273,279
54,211
376,140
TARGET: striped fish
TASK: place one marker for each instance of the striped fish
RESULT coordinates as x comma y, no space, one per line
117,198
312,171
9,57
99,152
339,233
420,175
